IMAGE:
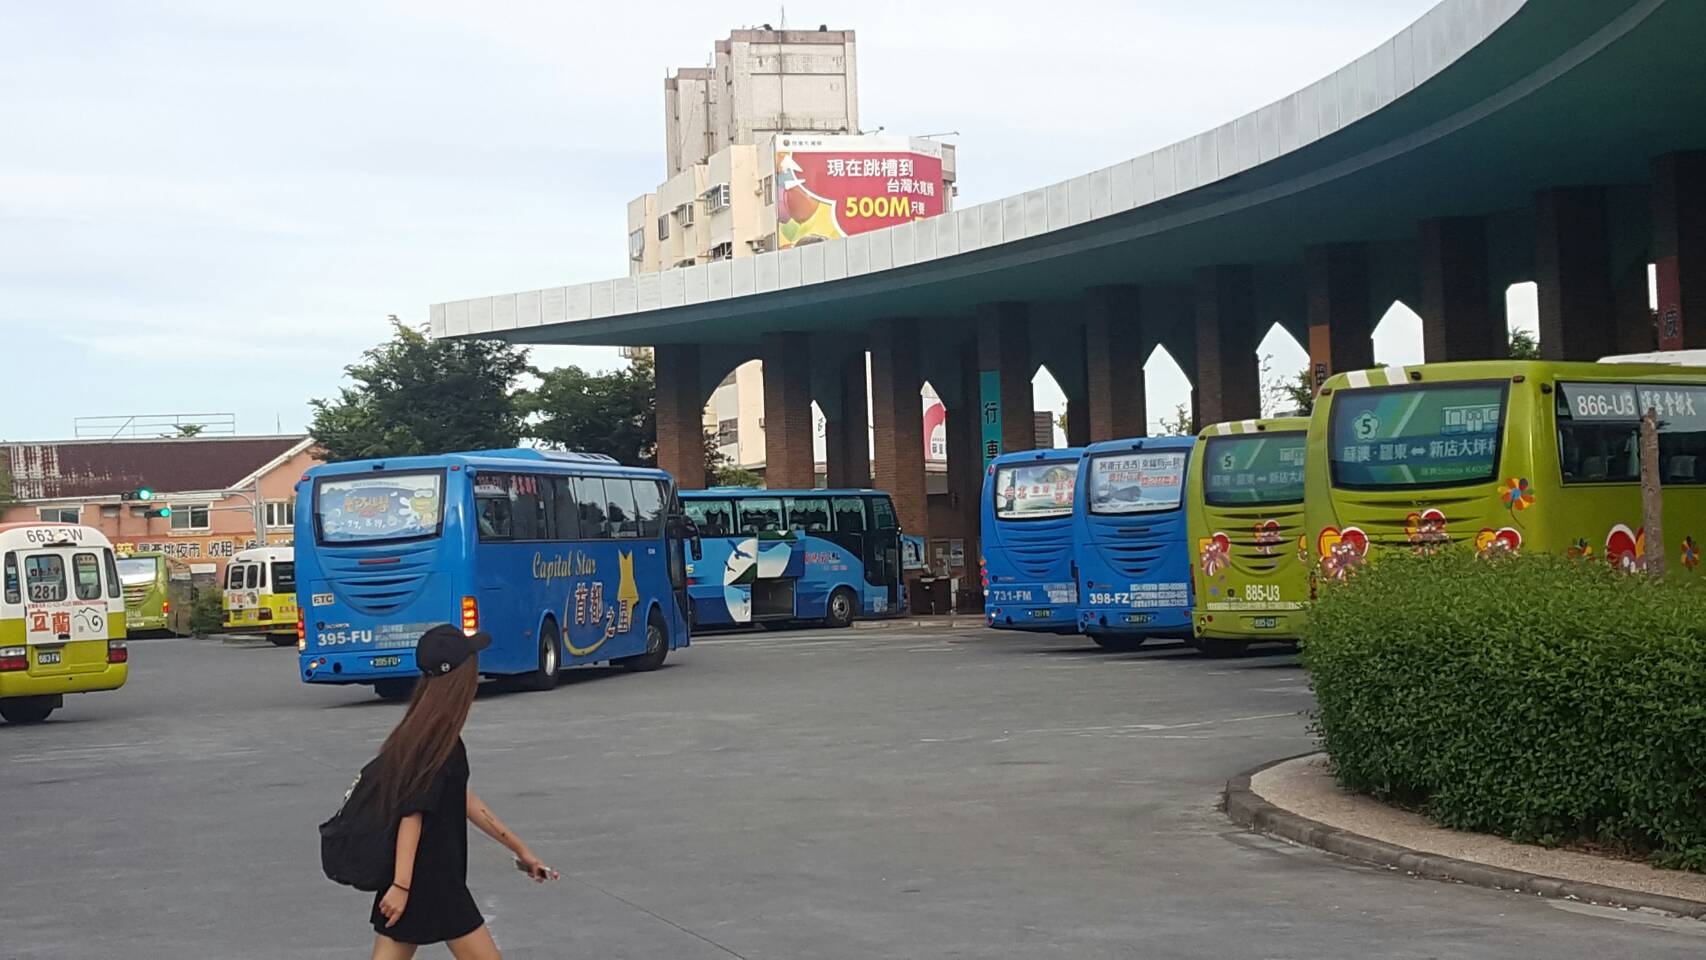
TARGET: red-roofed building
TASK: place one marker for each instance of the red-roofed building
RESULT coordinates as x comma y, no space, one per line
208,482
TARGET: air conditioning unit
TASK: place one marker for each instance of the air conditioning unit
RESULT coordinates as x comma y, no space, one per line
684,213
717,198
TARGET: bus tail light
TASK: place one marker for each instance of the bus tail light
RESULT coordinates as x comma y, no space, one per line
117,652
301,631
470,616
14,658
165,606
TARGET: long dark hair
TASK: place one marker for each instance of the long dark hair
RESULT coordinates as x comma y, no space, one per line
423,740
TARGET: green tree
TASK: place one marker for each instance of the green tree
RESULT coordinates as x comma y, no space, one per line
417,395
1524,346
187,430
613,413
720,471
1179,424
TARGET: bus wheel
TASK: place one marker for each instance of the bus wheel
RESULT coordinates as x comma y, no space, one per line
657,646
394,689
1221,649
26,709
842,608
544,677
1117,642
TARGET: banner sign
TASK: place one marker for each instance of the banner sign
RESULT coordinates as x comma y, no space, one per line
835,186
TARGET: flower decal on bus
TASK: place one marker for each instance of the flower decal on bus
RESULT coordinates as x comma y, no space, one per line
1690,553
1213,553
1268,537
1303,548
1342,551
1503,542
1426,530
1580,550
1516,494
1626,549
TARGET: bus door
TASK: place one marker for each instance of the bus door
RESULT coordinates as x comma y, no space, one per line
681,540
882,549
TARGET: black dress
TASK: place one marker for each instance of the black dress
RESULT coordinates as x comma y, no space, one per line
440,907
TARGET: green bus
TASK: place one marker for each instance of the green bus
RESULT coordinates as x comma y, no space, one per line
1506,456
157,593
1250,574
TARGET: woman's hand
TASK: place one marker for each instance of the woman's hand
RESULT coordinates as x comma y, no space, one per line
392,905
534,867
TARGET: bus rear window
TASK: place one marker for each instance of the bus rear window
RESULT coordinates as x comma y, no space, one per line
1416,436
354,510
134,570
1137,482
1253,469
1032,491
1599,431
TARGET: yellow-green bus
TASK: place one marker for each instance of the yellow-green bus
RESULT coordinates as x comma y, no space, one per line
1507,456
157,593
1244,507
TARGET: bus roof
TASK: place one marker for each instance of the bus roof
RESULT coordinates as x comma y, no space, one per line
1255,426
14,535
1501,369
1139,443
721,492
1045,455
564,460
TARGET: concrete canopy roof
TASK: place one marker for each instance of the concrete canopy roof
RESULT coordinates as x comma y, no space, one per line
1469,110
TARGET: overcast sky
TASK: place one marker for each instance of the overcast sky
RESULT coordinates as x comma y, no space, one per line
211,206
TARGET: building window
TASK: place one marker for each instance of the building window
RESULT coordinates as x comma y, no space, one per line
281,514
61,514
728,431
663,227
637,245
723,251
190,516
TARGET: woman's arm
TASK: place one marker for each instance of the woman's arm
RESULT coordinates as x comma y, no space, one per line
482,816
403,870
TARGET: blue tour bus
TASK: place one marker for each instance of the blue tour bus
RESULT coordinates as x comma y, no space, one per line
1027,541
563,558
773,557
1129,541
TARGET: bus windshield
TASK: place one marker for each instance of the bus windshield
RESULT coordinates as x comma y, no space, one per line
132,570
1253,469
1416,436
406,506
1137,482
1032,491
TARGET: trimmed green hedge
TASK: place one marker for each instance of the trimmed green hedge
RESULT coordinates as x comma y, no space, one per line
1538,698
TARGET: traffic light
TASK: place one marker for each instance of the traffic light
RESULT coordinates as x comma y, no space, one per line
140,493
160,512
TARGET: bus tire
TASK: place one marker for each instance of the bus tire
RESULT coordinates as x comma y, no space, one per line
545,675
657,647
1117,642
842,608
394,689
1219,649
26,709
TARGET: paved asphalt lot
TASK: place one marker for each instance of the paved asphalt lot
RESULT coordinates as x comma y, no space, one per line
876,793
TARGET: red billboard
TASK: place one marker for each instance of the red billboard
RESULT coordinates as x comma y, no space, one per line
833,187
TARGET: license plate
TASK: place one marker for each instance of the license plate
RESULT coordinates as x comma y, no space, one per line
386,661
1264,623
47,658
1042,613
1139,617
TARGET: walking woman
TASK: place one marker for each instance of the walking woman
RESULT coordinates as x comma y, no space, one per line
423,787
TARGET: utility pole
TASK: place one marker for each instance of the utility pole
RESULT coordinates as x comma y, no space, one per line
1652,495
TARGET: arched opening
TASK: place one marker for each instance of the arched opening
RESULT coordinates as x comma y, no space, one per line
1522,319
1048,398
1167,395
1287,386
1398,336
734,416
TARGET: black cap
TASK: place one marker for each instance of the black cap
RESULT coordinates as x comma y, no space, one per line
444,647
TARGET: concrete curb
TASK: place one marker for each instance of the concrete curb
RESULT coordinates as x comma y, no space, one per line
1246,808
944,623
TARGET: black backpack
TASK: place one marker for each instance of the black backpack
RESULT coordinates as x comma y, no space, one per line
357,849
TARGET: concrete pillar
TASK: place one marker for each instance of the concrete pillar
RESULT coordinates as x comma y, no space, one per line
1679,249
1632,307
1458,319
1572,273
1228,381
1113,360
965,462
680,413
788,460
897,424
846,439
1337,307
1004,350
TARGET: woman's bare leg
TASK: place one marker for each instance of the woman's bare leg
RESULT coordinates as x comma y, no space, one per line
385,948
475,946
